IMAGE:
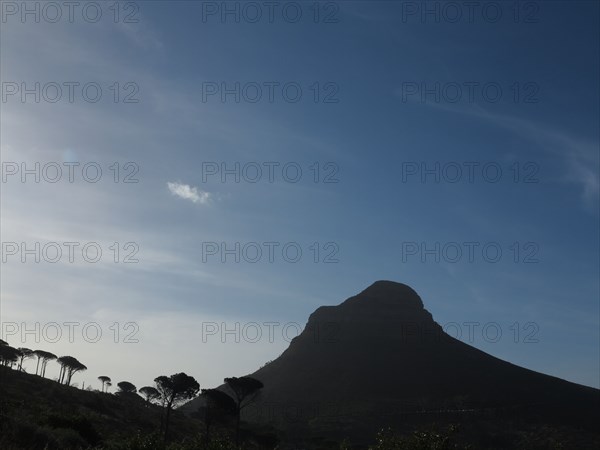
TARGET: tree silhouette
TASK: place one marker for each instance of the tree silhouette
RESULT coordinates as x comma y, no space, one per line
125,387
173,390
108,385
64,362
244,391
8,355
68,367
24,353
149,394
3,342
104,379
43,357
217,405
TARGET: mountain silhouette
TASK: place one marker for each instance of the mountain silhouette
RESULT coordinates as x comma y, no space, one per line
380,359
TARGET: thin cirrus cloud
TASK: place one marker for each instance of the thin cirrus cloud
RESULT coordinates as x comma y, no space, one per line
580,153
191,193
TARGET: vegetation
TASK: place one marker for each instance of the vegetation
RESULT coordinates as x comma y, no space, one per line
8,355
64,417
150,394
419,440
69,366
104,380
43,357
244,390
218,406
172,391
24,353
125,387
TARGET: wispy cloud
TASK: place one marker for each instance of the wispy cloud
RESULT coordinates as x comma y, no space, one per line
191,193
580,154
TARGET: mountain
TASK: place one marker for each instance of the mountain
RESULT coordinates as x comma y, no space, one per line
379,359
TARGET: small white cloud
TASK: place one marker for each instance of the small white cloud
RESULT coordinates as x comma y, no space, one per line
188,192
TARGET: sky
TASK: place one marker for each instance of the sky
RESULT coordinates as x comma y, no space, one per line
185,182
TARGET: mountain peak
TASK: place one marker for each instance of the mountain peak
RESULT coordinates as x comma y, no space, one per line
391,288
389,293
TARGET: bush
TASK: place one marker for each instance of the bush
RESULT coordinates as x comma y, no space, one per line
76,423
154,441
419,440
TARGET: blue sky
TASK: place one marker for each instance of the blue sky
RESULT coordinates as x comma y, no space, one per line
370,59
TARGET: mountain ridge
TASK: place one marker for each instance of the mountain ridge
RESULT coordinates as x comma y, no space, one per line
379,355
